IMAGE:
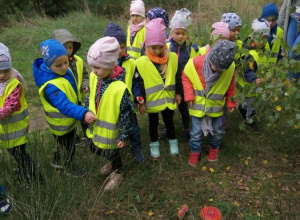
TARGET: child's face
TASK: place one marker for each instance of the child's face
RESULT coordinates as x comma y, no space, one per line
60,65
100,72
234,33
136,19
178,35
272,21
122,49
5,75
260,43
156,50
69,47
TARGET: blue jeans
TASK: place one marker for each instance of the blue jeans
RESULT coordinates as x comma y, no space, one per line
293,38
197,133
135,137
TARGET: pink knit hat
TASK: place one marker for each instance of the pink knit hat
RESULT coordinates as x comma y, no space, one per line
137,7
104,53
221,28
155,32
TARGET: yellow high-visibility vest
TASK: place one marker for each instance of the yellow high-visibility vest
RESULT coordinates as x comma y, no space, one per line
159,95
14,129
134,49
276,46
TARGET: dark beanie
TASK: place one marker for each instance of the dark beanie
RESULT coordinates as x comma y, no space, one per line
114,30
270,10
222,54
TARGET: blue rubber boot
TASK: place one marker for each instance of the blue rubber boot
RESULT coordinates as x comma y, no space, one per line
154,149
174,147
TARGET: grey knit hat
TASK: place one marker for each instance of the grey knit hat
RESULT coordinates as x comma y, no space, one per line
5,59
222,54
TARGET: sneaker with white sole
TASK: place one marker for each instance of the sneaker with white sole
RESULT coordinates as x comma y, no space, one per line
115,179
106,169
5,204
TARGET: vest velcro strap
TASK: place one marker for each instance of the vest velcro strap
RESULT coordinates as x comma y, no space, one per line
214,109
170,88
106,125
199,92
198,107
213,96
60,127
103,140
134,49
55,115
14,135
15,118
154,89
155,103
170,100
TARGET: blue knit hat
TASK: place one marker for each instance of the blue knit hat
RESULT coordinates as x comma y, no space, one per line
114,30
52,49
270,10
158,13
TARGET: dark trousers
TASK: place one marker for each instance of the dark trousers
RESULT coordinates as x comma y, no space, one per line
112,155
66,143
184,112
167,116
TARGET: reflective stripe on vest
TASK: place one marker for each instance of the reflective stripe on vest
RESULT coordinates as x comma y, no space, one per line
159,94
134,49
213,103
275,47
14,129
59,124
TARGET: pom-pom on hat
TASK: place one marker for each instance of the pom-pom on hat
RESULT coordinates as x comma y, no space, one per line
222,54
270,10
181,19
232,19
155,32
52,49
5,58
137,7
104,53
221,28
114,30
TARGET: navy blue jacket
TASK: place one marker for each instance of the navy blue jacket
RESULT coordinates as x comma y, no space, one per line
54,95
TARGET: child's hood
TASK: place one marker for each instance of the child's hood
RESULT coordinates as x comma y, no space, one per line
64,36
41,74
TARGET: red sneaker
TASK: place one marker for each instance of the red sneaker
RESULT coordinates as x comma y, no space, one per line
194,159
213,155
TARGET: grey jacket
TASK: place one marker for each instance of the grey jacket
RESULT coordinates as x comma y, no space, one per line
284,14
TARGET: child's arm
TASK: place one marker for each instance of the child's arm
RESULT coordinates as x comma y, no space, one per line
12,103
136,88
231,104
126,119
188,89
250,71
59,100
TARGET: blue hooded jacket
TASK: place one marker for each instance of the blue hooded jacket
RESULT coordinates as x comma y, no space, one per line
54,95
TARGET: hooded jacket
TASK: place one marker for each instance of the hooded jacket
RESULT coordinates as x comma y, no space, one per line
54,95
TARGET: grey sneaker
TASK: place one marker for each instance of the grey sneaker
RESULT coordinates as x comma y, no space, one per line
106,169
115,179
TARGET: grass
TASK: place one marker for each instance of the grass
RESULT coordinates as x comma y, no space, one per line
256,177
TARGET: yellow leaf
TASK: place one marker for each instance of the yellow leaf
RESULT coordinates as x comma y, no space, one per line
228,168
287,82
236,203
111,211
278,108
266,162
285,155
269,175
246,162
204,168
282,133
210,200
211,170
284,159
150,213
296,126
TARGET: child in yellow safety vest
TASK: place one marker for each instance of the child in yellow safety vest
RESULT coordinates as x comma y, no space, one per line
111,102
136,29
208,81
128,63
76,65
157,70
251,74
59,95
14,117
273,46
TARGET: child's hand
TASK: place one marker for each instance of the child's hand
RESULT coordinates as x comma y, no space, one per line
89,117
178,99
121,144
140,99
230,110
85,89
190,103
258,81
142,109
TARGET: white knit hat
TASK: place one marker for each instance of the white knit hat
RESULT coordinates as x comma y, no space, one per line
260,28
5,59
137,7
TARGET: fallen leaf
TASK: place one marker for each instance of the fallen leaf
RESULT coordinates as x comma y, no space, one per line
111,211
236,203
278,108
150,213
269,175
204,168
296,126
210,200
282,133
266,162
211,170
246,162
228,168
